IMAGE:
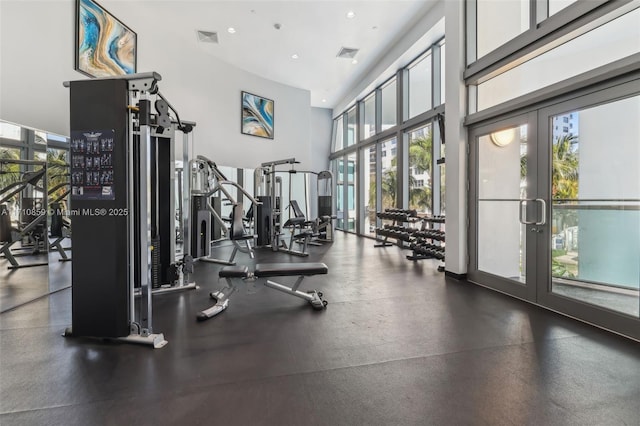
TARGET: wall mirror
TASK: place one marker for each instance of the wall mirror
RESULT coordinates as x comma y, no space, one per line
34,232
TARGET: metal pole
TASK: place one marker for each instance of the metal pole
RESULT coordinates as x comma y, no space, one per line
131,218
144,215
186,196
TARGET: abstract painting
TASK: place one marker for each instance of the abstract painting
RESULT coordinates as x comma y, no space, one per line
257,116
104,45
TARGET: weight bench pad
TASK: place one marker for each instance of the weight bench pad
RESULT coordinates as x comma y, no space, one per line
289,269
238,271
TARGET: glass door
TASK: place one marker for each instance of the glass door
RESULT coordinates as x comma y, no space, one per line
505,210
593,247
555,207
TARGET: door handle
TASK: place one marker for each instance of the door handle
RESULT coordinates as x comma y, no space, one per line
522,221
542,221
544,212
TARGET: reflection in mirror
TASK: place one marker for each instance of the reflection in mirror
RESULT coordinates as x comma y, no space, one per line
25,196
59,188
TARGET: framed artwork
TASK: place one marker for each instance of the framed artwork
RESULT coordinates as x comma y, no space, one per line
257,116
104,45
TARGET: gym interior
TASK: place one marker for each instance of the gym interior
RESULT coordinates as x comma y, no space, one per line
320,212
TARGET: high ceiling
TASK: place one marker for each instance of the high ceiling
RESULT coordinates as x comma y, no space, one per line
314,30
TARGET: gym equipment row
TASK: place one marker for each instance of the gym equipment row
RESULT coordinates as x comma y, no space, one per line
425,241
128,210
267,270
395,230
398,232
428,242
431,234
426,251
397,215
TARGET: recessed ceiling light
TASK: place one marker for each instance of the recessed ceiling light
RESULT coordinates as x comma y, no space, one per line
295,56
375,27
355,61
231,30
324,100
351,14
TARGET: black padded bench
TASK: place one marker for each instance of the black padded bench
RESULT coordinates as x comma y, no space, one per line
268,270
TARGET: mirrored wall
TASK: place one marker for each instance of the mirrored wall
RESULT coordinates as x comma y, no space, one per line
34,232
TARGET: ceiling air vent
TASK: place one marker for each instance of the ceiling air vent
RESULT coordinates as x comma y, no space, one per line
347,52
208,36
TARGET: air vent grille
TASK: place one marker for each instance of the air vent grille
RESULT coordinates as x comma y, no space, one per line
347,52
208,36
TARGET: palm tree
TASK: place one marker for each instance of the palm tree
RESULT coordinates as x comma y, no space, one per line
421,152
57,172
421,158
389,185
564,173
9,173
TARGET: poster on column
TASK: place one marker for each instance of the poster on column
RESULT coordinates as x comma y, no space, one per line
92,164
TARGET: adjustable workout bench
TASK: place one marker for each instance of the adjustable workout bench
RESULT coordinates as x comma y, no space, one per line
267,270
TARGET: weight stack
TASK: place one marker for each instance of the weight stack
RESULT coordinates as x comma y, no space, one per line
263,220
200,228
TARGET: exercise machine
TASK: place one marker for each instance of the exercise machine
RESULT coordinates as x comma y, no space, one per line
209,183
326,206
268,218
31,230
267,271
60,226
121,178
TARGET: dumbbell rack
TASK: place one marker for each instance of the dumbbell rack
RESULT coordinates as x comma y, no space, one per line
396,230
428,242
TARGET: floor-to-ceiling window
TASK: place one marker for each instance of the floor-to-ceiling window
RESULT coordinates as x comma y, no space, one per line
389,103
420,83
389,173
351,185
337,168
351,127
369,107
370,189
421,169
397,160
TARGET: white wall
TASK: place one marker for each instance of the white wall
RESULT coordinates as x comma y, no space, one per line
37,55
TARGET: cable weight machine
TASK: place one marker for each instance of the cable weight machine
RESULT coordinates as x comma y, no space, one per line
119,150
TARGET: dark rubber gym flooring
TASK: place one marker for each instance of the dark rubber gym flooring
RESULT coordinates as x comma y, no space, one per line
398,344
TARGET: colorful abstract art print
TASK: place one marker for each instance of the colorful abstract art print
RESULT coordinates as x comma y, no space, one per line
104,46
257,116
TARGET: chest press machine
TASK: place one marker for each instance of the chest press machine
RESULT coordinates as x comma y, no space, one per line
210,182
267,270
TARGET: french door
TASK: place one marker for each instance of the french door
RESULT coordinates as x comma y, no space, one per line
555,207
507,214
